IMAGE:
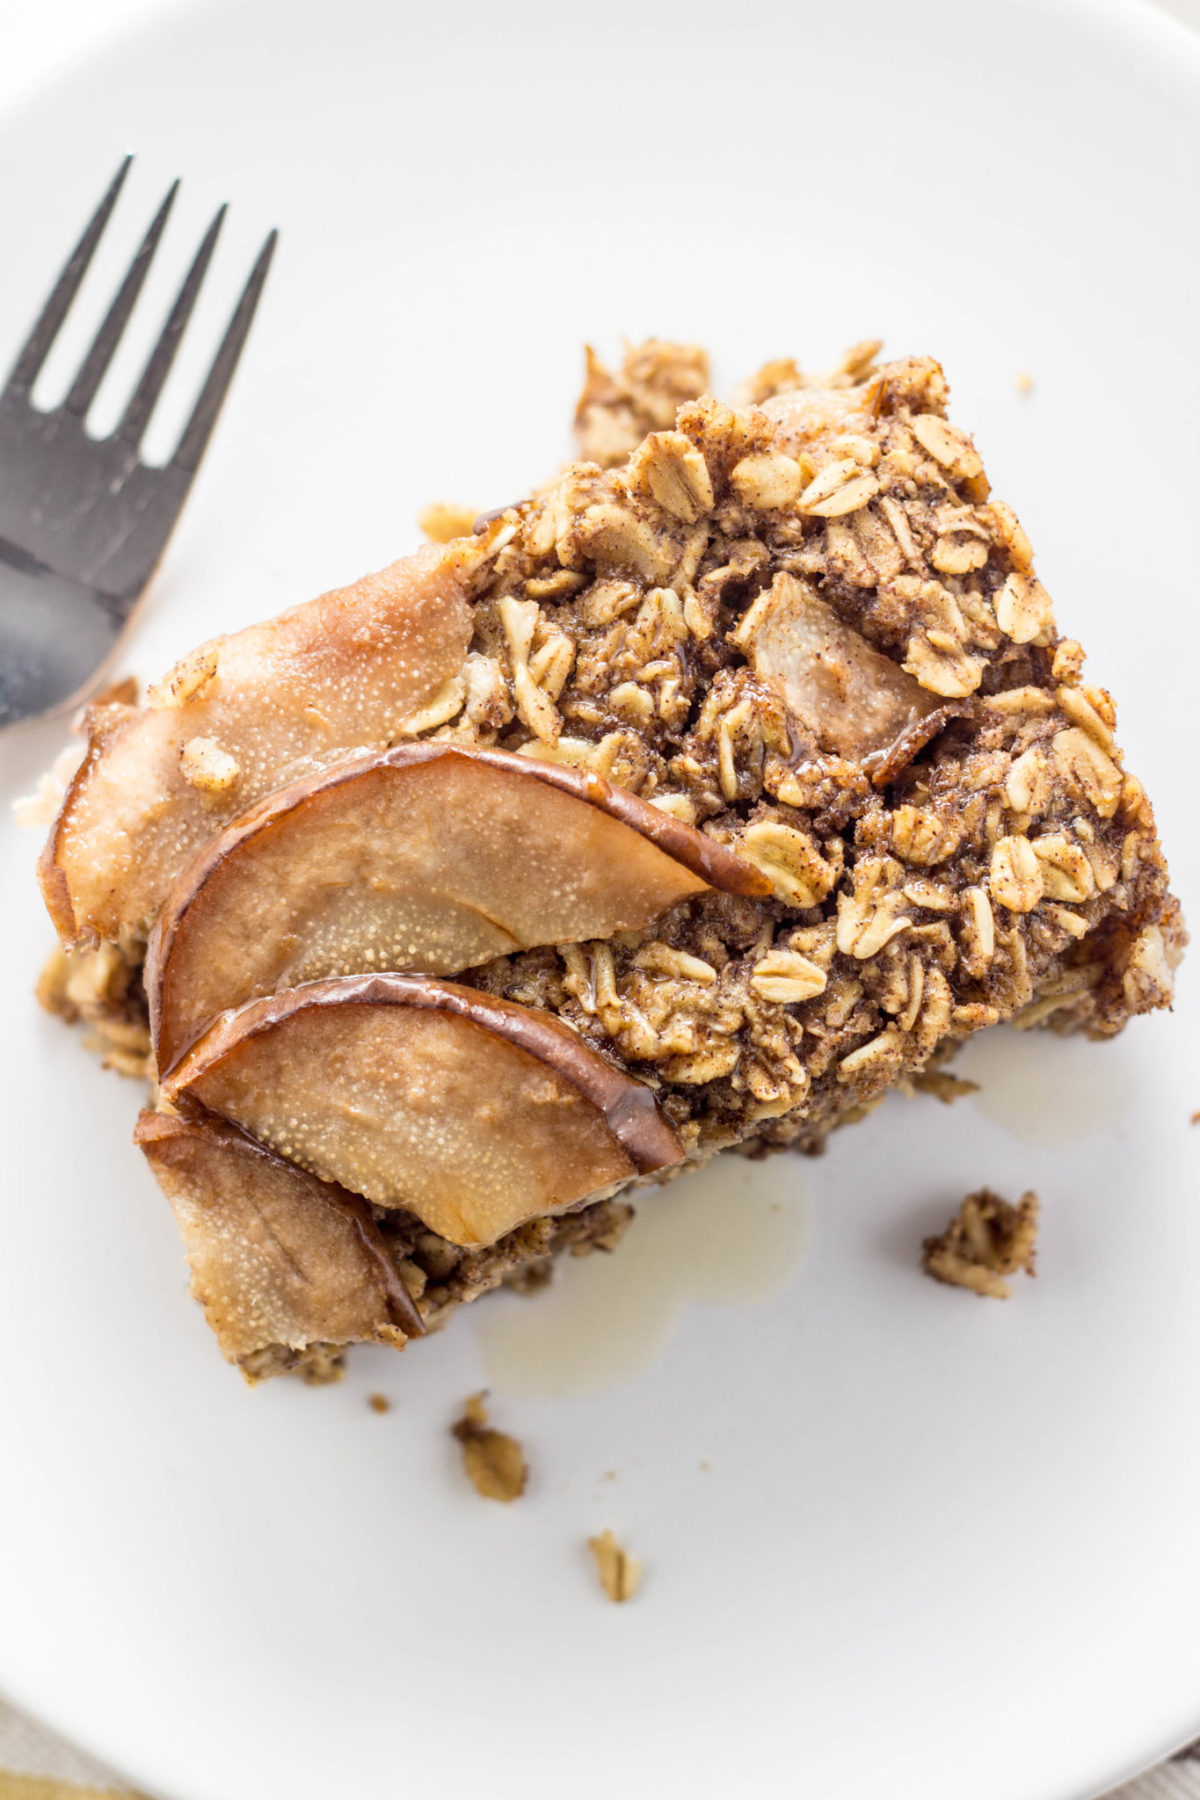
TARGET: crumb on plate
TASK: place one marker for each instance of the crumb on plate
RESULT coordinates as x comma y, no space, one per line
494,1461
620,1574
379,1403
987,1239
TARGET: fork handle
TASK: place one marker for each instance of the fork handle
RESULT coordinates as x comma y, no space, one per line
55,637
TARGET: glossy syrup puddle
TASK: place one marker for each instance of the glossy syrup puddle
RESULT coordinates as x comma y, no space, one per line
1048,1090
725,1236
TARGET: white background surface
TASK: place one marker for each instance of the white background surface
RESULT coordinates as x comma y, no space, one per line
928,1526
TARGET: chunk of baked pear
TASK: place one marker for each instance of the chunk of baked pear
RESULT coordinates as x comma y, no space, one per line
855,701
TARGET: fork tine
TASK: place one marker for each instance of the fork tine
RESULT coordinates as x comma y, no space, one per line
33,354
158,367
103,345
199,427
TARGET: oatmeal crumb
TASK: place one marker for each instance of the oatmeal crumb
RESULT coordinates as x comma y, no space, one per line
620,1574
323,1365
1024,383
444,520
379,1403
1195,1118
208,767
986,1240
947,1088
494,1461
99,988
187,680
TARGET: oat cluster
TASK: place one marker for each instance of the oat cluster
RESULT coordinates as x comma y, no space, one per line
987,1239
493,1460
101,989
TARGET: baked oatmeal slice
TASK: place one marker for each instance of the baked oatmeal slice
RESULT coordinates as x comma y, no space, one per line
804,631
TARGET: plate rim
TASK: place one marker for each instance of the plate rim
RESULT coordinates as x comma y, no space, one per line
1146,28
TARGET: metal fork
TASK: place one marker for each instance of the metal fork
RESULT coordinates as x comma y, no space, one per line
83,521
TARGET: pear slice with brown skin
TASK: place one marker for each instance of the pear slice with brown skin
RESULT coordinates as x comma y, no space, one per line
237,719
425,858
278,1258
469,1111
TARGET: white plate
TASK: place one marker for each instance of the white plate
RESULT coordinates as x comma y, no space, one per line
942,1547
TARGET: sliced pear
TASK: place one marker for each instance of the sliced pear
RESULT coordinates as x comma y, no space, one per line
423,857
277,1257
471,1112
239,718
855,701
